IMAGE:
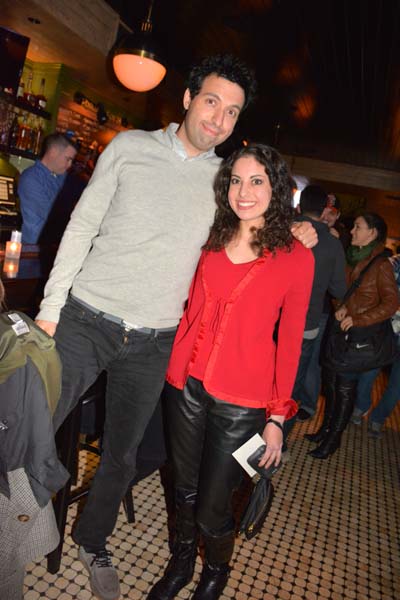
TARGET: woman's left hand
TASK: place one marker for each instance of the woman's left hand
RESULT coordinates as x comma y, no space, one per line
273,437
346,323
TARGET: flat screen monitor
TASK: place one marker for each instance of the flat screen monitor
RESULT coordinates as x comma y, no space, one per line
13,48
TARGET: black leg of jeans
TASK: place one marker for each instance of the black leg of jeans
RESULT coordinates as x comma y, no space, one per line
298,387
83,353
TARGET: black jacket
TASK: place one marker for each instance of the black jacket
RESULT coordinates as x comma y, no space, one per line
329,274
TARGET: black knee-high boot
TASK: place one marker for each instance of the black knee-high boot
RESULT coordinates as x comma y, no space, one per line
218,553
180,569
329,379
345,393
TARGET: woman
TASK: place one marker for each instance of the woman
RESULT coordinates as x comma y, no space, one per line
30,472
374,301
391,395
227,380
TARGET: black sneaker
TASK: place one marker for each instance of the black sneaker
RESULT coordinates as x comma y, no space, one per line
103,576
303,415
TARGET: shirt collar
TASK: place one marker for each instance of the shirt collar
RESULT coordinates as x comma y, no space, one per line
40,165
177,146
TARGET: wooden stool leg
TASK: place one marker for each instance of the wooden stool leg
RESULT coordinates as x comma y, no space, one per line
67,440
129,506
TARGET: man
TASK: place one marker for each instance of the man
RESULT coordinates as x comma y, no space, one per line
331,216
40,184
329,276
128,256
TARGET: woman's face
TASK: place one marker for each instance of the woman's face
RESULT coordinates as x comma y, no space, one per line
250,191
361,234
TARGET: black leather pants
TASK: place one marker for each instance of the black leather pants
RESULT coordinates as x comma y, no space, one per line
203,433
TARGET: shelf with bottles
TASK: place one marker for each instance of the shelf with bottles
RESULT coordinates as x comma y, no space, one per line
34,103
21,131
21,103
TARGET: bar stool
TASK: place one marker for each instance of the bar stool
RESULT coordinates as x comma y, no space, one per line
151,456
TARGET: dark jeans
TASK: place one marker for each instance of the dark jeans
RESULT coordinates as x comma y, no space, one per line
307,350
312,383
135,364
203,433
389,399
304,362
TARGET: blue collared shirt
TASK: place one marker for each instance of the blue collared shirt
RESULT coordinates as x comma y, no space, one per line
38,188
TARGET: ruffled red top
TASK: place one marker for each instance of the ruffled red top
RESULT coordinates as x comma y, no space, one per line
226,335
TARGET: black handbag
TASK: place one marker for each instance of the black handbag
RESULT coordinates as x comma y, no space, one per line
360,348
261,497
257,508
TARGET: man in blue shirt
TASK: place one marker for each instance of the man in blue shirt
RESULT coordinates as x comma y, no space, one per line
40,184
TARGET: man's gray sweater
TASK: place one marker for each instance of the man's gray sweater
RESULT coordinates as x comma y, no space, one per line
134,239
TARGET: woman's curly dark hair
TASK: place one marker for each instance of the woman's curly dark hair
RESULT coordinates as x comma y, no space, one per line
279,215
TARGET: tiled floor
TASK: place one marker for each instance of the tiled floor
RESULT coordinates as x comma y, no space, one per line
333,531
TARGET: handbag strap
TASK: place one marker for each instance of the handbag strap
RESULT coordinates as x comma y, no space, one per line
357,282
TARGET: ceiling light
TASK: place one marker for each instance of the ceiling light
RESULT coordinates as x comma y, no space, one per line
136,59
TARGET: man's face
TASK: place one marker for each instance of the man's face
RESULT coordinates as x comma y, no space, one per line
60,159
211,115
329,216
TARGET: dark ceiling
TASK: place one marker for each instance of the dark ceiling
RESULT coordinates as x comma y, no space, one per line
328,70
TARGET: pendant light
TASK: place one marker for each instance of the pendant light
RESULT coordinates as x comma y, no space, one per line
136,59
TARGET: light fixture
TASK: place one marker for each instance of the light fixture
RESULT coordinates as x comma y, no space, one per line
101,113
136,59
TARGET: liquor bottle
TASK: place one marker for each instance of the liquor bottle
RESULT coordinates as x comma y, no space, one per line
21,89
24,133
41,99
39,137
14,131
29,96
32,132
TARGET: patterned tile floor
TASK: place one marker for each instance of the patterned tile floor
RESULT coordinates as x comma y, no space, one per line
333,531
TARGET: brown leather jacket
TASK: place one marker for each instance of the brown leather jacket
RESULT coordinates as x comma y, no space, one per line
377,298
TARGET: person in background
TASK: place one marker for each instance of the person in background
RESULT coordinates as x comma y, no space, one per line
75,182
331,216
40,184
391,395
30,472
374,301
329,276
121,277
227,378
313,378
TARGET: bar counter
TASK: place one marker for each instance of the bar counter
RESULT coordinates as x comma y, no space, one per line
24,280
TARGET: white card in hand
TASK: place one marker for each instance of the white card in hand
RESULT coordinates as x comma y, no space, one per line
243,453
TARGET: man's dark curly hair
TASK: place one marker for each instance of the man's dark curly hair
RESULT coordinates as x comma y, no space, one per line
227,66
279,215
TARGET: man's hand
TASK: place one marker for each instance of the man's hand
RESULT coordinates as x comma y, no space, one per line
305,233
48,326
